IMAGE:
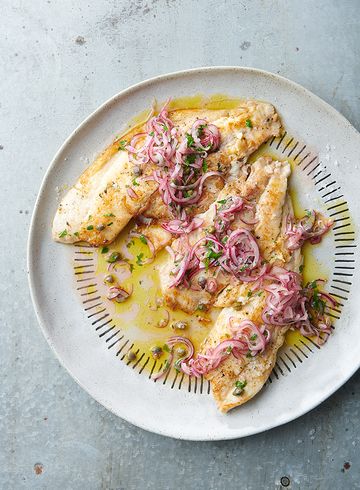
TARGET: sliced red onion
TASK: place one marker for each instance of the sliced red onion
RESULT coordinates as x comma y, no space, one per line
131,193
248,340
310,227
116,292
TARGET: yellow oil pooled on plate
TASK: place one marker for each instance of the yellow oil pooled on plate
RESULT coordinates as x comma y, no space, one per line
142,313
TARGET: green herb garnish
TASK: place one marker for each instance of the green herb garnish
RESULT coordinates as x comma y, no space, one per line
143,239
122,145
90,227
139,259
248,123
63,233
104,250
190,159
240,384
135,182
204,166
109,215
190,140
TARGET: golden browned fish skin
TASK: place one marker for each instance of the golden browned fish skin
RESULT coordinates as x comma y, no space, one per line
238,142
266,175
102,202
254,371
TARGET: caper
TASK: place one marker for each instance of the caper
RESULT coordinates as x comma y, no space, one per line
180,325
109,278
202,282
100,227
131,355
180,352
120,298
137,170
156,352
113,257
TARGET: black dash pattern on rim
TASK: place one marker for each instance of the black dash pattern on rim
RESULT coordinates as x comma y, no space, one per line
291,356
114,336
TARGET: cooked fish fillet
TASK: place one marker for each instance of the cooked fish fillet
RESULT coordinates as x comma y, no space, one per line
238,142
272,206
254,371
266,182
99,205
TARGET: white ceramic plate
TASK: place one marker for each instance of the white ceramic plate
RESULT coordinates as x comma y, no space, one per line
325,148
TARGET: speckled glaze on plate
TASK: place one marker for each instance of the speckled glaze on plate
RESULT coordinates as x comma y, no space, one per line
334,174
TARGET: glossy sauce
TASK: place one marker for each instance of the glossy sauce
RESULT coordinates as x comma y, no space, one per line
140,315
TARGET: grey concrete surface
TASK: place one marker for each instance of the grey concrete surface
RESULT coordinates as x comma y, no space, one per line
59,61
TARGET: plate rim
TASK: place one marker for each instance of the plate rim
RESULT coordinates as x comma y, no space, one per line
31,242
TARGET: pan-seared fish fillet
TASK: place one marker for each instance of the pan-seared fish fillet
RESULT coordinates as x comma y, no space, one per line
266,182
238,142
272,208
255,371
98,207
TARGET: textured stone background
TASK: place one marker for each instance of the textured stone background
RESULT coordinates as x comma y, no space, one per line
59,61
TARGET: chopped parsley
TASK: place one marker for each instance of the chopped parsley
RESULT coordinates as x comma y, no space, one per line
248,123
223,201
122,145
239,388
204,166
113,257
104,250
317,303
139,259
253,337
131,267
190,159
301,268
135,182
166,348
76,233
109,215
143,239
165,127
190,140
229,349
63,233
109,224
90,227
249,294
130,243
